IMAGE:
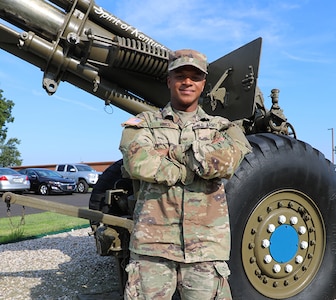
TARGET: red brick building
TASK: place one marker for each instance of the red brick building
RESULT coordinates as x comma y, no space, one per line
98,166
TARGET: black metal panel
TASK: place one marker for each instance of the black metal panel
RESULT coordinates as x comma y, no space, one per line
239,100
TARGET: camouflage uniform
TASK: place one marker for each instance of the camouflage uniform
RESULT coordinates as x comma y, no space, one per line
181,214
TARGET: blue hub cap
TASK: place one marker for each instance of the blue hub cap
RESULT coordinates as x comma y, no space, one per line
284,243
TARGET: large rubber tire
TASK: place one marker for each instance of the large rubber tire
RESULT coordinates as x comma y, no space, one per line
283,221
110,179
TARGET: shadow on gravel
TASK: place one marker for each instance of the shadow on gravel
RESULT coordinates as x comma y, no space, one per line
61,266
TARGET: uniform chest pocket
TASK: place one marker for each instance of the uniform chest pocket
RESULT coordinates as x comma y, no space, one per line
165,133
204,132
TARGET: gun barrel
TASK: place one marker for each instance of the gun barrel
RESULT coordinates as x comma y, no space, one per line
31,15
79,42
109,21
69,210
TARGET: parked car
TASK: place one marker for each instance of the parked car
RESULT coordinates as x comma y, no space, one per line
45,181
83,174
13,181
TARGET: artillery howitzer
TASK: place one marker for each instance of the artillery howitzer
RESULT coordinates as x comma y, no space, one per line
281,199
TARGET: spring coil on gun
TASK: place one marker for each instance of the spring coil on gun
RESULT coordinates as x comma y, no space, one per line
141,57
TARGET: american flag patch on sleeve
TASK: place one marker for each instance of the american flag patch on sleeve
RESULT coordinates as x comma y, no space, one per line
132,122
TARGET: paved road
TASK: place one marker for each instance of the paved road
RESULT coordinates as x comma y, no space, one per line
76,199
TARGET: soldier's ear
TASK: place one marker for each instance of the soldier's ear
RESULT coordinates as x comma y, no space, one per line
168,81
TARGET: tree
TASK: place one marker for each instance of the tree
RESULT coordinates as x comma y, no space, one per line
9,154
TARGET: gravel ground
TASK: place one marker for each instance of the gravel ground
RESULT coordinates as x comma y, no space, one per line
61,266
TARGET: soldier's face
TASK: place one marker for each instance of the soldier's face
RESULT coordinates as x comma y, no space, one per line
186,85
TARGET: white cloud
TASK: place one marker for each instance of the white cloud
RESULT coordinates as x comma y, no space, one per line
308,57
76,103
41,93
219,23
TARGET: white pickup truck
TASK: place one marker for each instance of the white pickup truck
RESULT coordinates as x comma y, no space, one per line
83,174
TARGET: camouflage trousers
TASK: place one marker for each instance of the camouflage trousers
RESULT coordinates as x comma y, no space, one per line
158,278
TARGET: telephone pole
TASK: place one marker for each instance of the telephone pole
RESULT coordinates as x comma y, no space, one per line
332,144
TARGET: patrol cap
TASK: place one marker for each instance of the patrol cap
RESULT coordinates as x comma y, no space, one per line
187,57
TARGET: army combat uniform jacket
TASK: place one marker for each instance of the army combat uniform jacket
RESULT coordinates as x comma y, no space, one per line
181,211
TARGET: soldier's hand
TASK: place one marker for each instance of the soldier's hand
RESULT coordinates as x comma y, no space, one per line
163,152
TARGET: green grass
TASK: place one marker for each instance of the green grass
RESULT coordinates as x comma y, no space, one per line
37,225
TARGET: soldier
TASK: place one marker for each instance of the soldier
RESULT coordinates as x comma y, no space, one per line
181,237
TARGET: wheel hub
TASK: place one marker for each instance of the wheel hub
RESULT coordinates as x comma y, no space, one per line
283,244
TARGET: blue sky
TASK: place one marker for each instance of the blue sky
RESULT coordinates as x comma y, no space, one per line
298,57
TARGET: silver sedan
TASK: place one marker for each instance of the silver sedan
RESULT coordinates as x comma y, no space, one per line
13,181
